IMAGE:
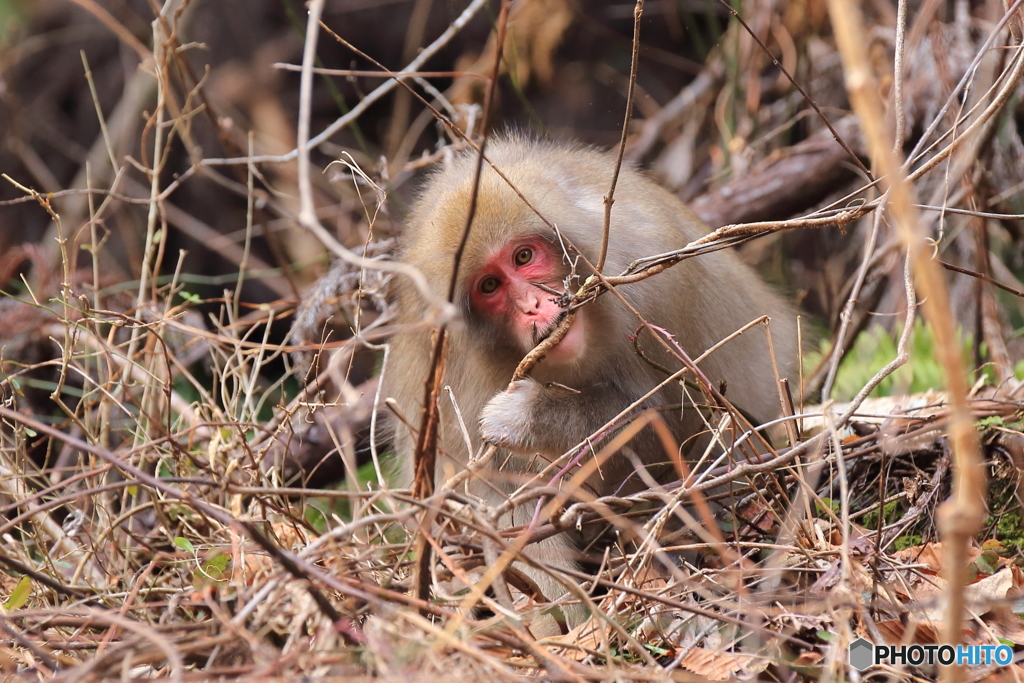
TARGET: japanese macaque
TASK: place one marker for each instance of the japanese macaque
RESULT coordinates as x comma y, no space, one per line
512,264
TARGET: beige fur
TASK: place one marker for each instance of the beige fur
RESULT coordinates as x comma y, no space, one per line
700,301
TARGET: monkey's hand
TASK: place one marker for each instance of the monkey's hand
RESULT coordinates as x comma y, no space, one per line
531,417
507,419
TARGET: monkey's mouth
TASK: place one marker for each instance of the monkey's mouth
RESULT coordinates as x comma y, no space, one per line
540,335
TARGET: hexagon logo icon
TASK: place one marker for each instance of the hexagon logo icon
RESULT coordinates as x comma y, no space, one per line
862,654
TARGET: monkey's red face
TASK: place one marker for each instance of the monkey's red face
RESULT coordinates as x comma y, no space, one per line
505,291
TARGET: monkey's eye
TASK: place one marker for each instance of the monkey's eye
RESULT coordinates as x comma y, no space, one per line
490,284
524,256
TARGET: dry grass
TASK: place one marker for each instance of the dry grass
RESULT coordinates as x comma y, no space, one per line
152,517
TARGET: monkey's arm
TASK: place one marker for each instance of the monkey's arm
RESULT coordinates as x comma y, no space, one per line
533,418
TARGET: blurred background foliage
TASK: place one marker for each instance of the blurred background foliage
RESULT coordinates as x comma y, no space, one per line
717,121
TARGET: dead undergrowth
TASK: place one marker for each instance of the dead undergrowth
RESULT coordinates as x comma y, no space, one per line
162,438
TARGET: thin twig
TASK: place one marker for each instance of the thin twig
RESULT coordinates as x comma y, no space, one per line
609,199
365,103
307,213
961,516
807,97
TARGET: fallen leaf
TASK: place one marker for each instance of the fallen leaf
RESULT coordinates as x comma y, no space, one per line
930,555
721,666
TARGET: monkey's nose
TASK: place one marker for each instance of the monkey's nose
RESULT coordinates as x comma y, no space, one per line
531,305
